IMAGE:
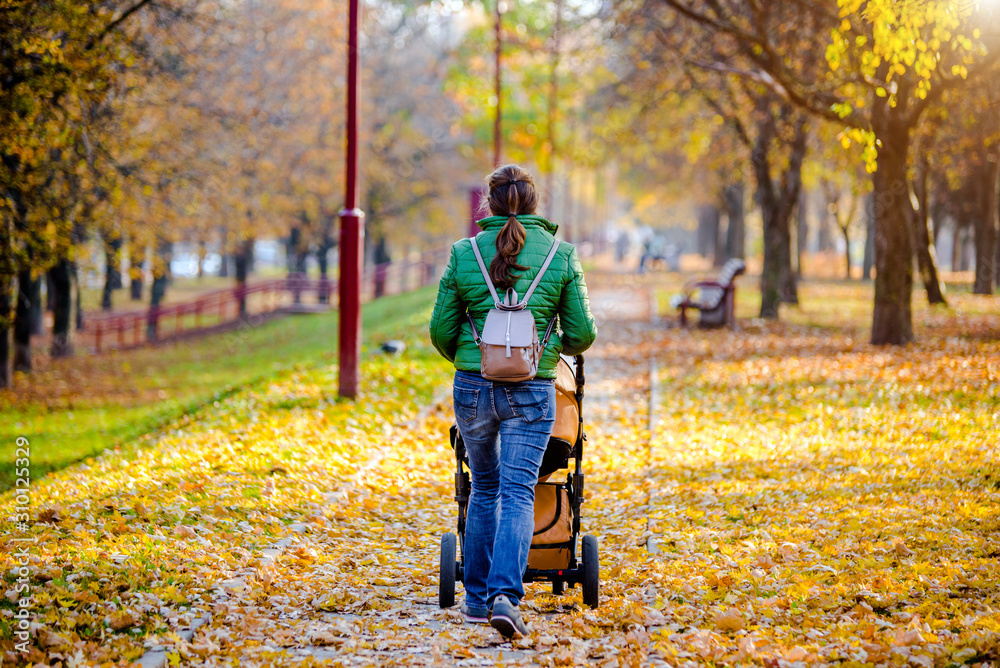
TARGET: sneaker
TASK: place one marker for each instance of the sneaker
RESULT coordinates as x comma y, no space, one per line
506,619
475,615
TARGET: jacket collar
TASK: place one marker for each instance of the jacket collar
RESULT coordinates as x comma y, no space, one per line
528,220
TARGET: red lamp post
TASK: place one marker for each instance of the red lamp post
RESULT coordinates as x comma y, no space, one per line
352,228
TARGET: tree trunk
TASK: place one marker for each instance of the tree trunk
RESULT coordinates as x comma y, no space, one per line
708,233
137,258
78,291
323,295
938,211
869,259
112,269
135,288
892,317
244,259
824,242
996,263
36,313
201,259
801,232
381,261
791,190
770,275
291,255
829,218
957,247
223,252
788,278
777,280
322,258
27,288
62,311
719,256
5,298
736,227
986,227
923,243
298,259
777,202
50,293
158,290
846,231
292,248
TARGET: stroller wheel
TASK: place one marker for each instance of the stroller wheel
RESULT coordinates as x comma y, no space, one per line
591,572
446,583
557,587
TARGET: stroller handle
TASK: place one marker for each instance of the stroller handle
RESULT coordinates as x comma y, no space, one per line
581,378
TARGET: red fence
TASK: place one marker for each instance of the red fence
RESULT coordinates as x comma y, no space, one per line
230,306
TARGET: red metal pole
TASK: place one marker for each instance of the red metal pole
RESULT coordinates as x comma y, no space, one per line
352,230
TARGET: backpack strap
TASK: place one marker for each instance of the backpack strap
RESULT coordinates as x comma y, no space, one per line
541,272
548,332
486,274
534,284
475,332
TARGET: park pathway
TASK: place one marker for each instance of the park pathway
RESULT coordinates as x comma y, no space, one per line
797,497
359,584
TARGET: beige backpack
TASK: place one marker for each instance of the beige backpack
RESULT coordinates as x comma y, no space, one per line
509,345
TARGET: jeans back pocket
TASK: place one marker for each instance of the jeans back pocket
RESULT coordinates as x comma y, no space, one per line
530,402
465,404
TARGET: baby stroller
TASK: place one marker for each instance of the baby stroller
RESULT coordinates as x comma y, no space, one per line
553,556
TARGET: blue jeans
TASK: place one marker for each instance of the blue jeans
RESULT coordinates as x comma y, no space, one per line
506,428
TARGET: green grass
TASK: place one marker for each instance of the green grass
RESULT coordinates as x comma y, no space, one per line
76,408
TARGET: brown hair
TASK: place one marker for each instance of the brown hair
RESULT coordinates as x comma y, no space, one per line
512,193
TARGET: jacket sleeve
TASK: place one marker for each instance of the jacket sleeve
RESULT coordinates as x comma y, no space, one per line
578,327
449,312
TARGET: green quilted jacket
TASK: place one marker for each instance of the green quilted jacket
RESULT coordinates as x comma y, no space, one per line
561,292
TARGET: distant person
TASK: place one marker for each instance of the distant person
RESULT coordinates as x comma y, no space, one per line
506,426
622,245
644,258
653,251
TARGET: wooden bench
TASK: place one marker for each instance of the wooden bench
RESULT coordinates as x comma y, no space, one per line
715,300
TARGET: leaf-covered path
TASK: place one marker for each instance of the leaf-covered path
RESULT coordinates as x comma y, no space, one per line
359,585
800,497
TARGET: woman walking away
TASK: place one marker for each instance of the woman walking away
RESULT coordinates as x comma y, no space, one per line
506,425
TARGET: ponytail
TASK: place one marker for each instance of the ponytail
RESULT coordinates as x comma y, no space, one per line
510,241
511,193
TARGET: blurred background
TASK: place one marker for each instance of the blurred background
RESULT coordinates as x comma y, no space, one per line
160,152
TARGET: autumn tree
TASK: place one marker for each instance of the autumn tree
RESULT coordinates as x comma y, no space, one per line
772,135
888,62
61,69
966,145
